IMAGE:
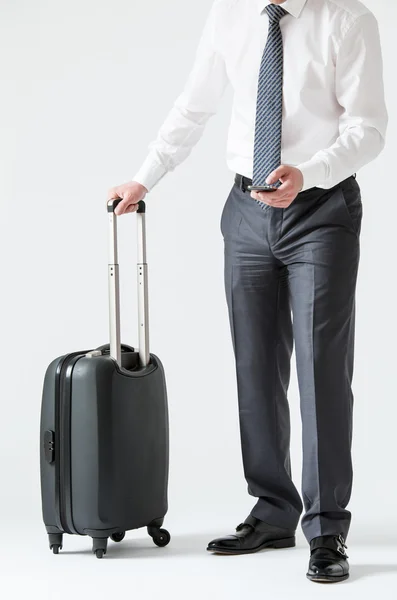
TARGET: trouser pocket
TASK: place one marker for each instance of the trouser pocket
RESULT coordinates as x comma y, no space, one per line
231,217
351,197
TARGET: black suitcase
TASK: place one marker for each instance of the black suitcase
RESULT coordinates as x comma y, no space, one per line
104,429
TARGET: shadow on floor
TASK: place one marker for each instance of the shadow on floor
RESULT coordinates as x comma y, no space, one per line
186,545
363,571
195,544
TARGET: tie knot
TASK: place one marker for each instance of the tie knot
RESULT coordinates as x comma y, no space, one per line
275,12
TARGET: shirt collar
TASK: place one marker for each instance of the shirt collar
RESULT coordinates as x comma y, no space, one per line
294,7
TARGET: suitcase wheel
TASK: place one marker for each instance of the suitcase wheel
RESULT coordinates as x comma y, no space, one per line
118,537
55,542
161,537
99,546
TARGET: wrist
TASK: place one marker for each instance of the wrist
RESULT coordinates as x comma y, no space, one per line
146,191
150,173
300,179
314,173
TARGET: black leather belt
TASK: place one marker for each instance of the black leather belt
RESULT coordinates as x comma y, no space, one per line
242,182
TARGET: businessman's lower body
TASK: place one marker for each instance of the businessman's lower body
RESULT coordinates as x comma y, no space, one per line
290,276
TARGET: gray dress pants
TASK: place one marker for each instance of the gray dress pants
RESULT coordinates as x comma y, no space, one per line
290,276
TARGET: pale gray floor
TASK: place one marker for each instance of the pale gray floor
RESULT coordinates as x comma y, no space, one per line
136,568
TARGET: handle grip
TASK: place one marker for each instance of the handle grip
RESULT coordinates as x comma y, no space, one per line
114,202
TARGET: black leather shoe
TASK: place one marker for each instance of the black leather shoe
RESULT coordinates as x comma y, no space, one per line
328,559
251,536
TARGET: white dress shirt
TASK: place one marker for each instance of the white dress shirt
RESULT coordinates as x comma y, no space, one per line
334,114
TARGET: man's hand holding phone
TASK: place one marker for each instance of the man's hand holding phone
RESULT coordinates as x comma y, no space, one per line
291,184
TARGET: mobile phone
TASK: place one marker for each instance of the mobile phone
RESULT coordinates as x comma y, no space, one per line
261,188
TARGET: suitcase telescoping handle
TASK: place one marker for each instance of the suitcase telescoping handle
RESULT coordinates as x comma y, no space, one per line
114,285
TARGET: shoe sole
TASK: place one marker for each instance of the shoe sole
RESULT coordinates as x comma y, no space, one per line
275,544
325,579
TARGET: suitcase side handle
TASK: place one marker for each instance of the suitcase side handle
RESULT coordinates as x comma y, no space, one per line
114,285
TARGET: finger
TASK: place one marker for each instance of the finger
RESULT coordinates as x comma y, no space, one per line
272,197
275,175
287,201
262,196
124,205
259,196
112,194
255,195
282,203
281,192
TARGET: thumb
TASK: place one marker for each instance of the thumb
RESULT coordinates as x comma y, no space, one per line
275,175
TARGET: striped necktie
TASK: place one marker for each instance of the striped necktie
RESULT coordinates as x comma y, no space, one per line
267,145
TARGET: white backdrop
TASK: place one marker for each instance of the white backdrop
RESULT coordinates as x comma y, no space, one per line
85,86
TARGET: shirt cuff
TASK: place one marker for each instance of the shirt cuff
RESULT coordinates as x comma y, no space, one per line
314,173
150,173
